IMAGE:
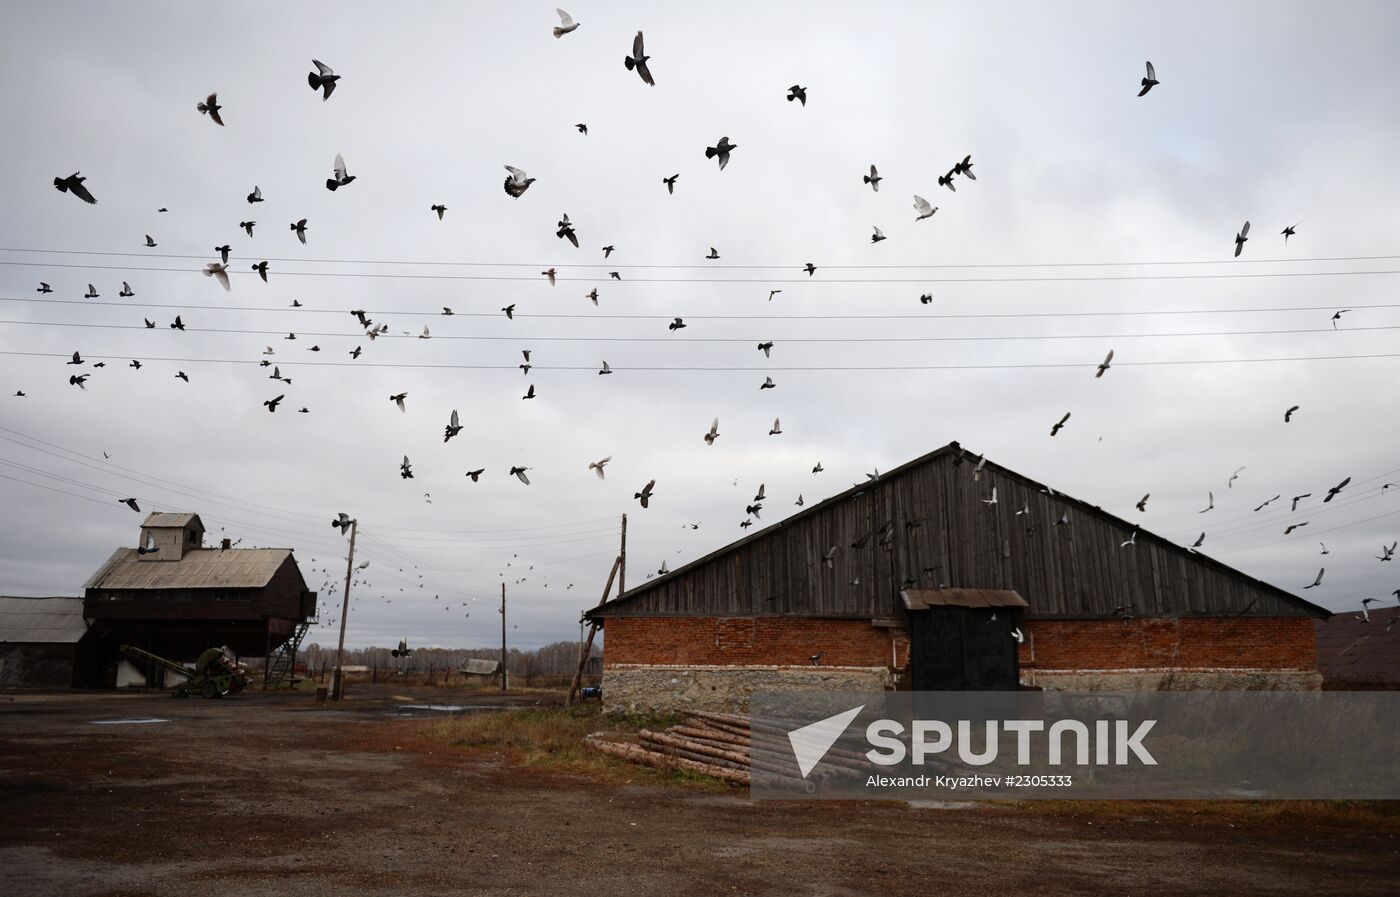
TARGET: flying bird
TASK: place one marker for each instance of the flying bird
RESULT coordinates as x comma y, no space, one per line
1288,232
273,403
1338,316
714,253
441,210
510,312
605,370
1104,365
1241,238
1150,81
181,375
74,184
219,272
638,60
877,236
721,150
78,381
797,92
256,195
810,269
582,128
150,244
44,288
339,176
398,399
597,466
322,79
211,107
1056,429
247,226
342,521
261,268
677,324
946,180
964,168
1387,554
1317,582
519,474
299,226
529,392
768,384
550,275
130,503
1230,484
818,468
777,428
405,469
566,23
516,181
476,474
454,426
1199,541
126,291
670,183
1269,502
1336,490
713,433
765,348
1142,503
178,325
91,293
1288,415
923,207
1298,498
1291,527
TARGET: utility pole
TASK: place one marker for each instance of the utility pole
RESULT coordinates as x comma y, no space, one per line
338,684
505,675
585,648
622,561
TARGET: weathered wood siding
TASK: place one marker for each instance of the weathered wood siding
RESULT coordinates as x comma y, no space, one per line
937,530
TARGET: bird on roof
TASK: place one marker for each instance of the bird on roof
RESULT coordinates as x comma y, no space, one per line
273,403
1317,582
1150,81
873,179
299,226
398,399
776,429
1336,490
339,175
597,466
923,207
721,150
877,236
74,184
519,474
211,107
1241,238
130,503
517,182
709,437
1060,425
638,60
405,469
323,79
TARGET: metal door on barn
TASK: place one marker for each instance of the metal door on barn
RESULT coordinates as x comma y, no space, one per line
963,639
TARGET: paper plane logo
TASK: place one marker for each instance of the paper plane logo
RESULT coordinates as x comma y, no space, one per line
811,742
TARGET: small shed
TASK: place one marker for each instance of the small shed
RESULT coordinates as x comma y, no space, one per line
43,642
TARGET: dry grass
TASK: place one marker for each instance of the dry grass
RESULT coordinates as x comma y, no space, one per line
553,737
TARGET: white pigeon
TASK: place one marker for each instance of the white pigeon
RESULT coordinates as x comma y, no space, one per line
597,466
993,499
923,207
218,271
425,334
711,436
566,23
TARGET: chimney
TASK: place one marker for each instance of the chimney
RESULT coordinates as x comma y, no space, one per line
226,545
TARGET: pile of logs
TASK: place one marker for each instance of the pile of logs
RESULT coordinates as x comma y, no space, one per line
720,745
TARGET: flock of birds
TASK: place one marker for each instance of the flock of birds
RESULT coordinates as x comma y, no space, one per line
517,183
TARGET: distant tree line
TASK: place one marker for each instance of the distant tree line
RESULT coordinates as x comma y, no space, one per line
558,659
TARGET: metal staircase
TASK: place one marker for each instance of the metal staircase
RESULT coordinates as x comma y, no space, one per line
281,664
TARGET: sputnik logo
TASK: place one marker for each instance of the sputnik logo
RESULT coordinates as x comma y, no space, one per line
811,742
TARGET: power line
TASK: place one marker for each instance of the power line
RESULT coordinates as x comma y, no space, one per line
621,266
1077,278
737,340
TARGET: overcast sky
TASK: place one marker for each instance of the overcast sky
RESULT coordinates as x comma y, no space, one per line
1277,113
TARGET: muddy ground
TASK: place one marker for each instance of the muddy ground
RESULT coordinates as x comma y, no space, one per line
275,795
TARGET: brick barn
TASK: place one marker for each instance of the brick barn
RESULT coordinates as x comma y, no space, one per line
914,581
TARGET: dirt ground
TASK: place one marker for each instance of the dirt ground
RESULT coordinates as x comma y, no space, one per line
276,795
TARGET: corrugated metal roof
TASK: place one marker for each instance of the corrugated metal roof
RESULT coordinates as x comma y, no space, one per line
200,568
55,621
170,518
923,599
1349,650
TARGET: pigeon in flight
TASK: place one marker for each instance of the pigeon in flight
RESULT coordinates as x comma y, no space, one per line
405,469
1293,526
597,466
340,177
261,268
923,207
1210,503
150,325
608,251
223,252
614,275
605,370
721,151
519,474
670,183
873,179
1104,365
582,128
877,236
1132,540
1317,582
510,312
638,60
130,503
1269,502
454,426
1298,498
677,324
273,403
810,269
797,92
78,381
925,298
1288,415
1338,316
1288,232
299,227
247,226
592,296
476,474
441,210
777,429
550,274
256,195
566,23
398,399
178,325
342,521
74,184
760,495
44,288
768,384
218,271
1230,484
1150,81
964,168
1336,490
1388,554
211,107
529,392
322,79
1241,238
516,181
714,253
645,495
126,292
766,348
566,232
993,499
1142,503
1059,426
181,375
709,437
150,244
772,293
91,293
1200,540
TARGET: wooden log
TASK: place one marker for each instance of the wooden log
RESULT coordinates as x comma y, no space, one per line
638,754
707,733
663,738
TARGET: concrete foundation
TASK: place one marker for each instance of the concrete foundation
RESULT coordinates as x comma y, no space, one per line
1173,680
726,689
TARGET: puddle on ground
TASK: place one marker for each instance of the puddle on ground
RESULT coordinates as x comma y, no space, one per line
127,722
450,709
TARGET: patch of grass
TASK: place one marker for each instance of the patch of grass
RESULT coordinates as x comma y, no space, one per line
553,738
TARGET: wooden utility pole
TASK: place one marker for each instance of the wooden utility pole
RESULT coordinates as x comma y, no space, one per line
505,675
586,648
338,684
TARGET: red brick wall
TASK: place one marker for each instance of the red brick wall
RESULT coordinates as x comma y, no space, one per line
1185,643
761,641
